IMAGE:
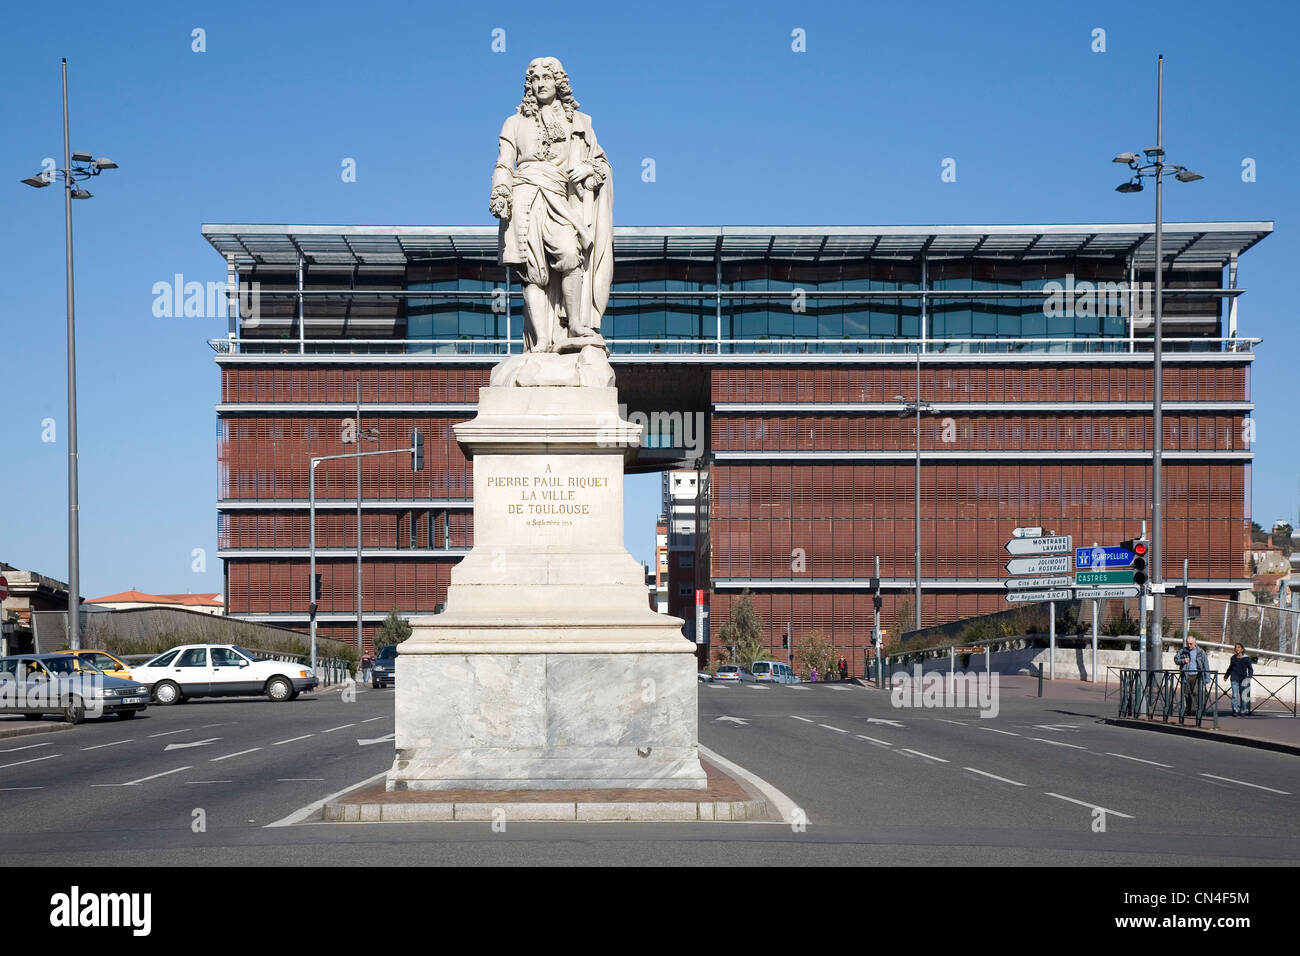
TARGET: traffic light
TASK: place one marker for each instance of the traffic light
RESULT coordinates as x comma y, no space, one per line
785,640
876,601
1139,548
1178,591
315,594
417,450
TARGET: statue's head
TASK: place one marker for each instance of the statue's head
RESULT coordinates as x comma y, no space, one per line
544,75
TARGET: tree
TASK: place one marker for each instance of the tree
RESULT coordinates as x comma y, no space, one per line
814,651
904,620
1282,532
395,630
743,632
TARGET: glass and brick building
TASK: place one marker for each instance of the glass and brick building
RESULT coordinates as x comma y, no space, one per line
792,347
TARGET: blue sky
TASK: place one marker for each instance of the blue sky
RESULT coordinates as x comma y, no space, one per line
742,130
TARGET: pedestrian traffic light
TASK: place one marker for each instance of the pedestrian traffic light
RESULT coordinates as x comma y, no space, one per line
1178,591
876,601
417,450
785,639
1139,548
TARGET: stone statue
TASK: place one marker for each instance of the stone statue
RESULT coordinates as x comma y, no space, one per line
553,191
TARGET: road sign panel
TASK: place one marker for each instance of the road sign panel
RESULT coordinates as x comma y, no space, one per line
1099,558
1091,578
1102,594
1017,596
1026,532
1055,544
1057,565
1025,584
4,587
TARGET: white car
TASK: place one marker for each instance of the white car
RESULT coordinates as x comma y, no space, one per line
221,670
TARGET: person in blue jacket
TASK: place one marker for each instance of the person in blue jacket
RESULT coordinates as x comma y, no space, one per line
1240,671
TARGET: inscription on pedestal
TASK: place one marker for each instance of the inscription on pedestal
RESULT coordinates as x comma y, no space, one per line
548,499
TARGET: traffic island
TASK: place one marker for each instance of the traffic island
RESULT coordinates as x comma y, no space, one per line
724,798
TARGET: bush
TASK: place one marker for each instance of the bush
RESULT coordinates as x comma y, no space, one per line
1122,625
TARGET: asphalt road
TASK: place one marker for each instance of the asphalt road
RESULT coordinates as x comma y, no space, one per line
879,785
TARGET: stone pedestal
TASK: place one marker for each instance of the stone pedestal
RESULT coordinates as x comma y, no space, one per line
547,670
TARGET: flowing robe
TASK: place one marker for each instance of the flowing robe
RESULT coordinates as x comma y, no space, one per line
554,226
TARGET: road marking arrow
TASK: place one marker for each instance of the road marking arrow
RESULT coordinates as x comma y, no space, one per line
377,740
195,743
736,720
882,720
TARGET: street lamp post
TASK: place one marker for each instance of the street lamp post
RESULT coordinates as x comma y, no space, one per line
1156,168
70,175
915,408
371,434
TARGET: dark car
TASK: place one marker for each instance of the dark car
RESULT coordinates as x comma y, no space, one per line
384,671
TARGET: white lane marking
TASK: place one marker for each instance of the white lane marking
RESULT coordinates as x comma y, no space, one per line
32,760
740,721
239,754
985,773
882,720
168,733
302,814
795,687
1090,806
376,740
300,779
1245,784
2,789
192,743
994,730
339,727
1167,766
804,719
190,783
883,743
838,687
947,721
28,747
227,723
1057,743
836,729
291,740
777,800
369,719
112,744
926,756
132,783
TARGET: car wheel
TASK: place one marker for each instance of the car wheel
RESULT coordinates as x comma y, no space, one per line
279,689
375,685
32,716
166,693
126,714
75,712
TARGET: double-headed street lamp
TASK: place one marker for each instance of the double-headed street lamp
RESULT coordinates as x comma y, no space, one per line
906,408
1156,168
77,167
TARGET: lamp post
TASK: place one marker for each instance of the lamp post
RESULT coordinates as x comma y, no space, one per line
1156,168
915,408
86,166
369,434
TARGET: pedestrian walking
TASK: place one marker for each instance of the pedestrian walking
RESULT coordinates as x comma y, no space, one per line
1240,671
813,677
1195,667
844,668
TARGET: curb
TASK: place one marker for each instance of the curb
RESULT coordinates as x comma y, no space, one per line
1218,736
575,811
26,730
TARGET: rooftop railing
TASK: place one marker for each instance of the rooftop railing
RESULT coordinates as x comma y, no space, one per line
469,349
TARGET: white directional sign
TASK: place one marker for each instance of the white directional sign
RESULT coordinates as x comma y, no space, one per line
193,743
1055,544
1017,596
1026,532
1064,581
1059,565
1102,594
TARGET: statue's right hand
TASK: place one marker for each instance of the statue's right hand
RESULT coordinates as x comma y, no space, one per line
499,206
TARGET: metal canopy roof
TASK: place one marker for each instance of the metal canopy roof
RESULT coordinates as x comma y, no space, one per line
1188,242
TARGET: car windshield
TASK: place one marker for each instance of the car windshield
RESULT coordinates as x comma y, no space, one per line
249,654
388,653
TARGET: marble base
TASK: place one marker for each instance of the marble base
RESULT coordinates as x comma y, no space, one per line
544,721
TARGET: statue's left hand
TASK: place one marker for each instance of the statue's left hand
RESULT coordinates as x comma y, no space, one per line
580,173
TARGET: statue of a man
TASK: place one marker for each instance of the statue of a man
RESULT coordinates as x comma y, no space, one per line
553,191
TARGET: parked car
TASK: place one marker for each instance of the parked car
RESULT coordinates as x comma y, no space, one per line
106,662
703,678
732,674
774,672
383,673
38,684
221,670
